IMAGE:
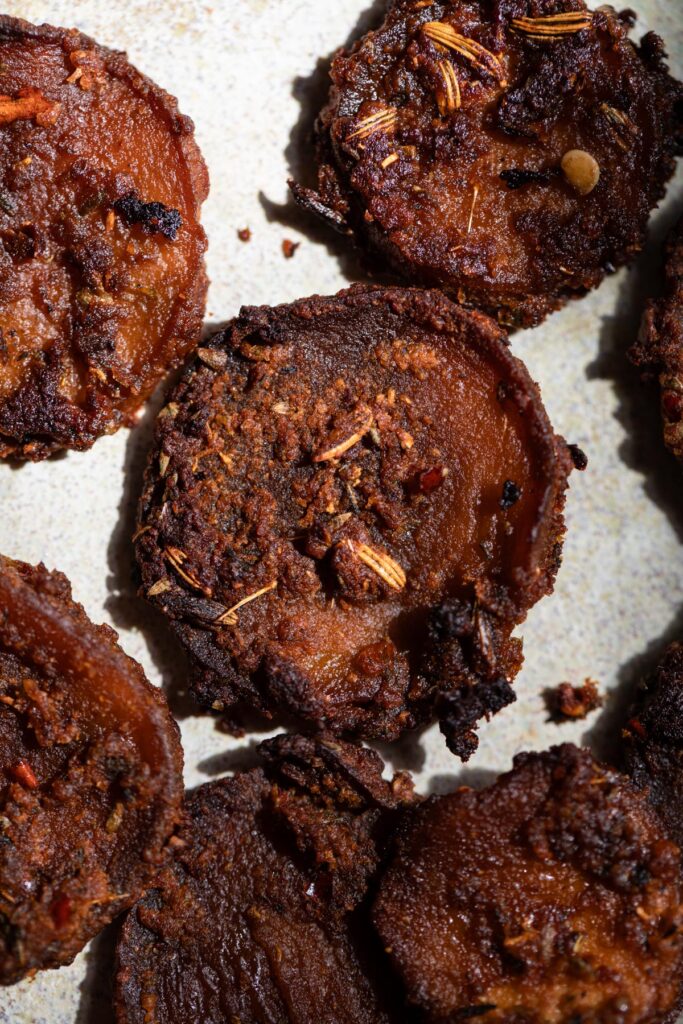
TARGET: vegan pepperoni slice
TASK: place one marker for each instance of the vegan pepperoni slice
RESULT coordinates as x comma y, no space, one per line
553,896
350,504
102,281
507,151
659,349
90,774
261,916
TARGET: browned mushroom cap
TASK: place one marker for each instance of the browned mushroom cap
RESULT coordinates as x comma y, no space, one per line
511,160
551,897
257,918
659,350
350,504
102,281
90,774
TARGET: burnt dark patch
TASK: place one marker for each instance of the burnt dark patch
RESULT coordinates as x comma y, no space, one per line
153,217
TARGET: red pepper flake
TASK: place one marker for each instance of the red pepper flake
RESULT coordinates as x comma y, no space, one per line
60,911
431,479
24,774
244,234
289,248
637,727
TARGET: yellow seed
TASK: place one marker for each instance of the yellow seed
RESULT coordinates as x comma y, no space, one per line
445,35
581,170
229,617
115,818
450,99
382,564
381,121
344,446
160,587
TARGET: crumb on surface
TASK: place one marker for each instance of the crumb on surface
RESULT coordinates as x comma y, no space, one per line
244,234
566,701
289,248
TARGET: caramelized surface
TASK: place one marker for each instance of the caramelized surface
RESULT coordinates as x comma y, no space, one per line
351,503
443,145
553,896
100,292
257,918
90,774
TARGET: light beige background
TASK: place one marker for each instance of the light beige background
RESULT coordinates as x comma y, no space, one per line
247,72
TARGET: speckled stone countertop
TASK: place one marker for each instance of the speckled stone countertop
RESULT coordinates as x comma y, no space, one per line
249,73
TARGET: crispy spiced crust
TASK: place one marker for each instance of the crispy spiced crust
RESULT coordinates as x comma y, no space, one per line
460,185
98,249
90,774
262,914
659,350
551,897
653,739
213,504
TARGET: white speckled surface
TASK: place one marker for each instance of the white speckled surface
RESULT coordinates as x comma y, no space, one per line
245,71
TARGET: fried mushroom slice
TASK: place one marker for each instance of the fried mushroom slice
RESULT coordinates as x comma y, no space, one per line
90,774
507,151
350,504
258,917
102,281
552,896
659,350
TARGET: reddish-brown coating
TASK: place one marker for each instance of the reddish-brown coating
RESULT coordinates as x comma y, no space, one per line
442,148
552,897
653,739
659,351
102,281
90,774
350,504
262,915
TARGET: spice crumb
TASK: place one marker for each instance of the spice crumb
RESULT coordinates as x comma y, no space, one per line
578,457
289,248
566,701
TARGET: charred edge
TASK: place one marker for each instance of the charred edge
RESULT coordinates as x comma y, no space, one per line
470,1012
460,711
154,217
517,177
313,203
578,457
511,495
479,691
